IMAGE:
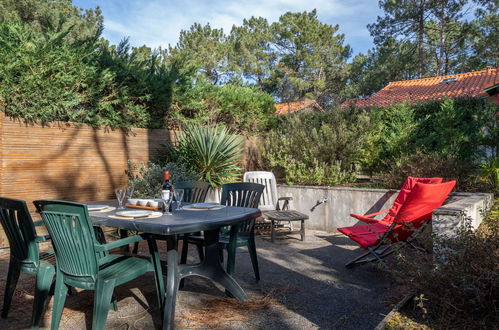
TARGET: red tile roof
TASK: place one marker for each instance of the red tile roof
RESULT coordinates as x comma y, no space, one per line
291,107
469,84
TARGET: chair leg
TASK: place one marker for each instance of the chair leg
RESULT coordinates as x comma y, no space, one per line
124,234
99,234
60,292
302,230
231,259
135,248
356,260
183,257
102,298
200,251
44,279
221,254
377,256
158,273
185,249
253,256
114,303
10,286
272,231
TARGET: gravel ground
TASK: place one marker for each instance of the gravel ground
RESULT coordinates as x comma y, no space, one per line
304,285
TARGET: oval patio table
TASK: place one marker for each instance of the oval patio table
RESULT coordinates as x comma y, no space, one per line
182,222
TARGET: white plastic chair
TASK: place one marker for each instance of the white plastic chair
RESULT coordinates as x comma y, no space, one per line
269,200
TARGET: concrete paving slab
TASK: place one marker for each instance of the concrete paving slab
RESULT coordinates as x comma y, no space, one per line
304,285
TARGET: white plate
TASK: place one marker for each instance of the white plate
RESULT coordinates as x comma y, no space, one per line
203,207
97,207
134,214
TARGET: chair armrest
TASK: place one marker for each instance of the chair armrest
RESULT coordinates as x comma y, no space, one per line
118,243
368,218
38,223
285,205
376,213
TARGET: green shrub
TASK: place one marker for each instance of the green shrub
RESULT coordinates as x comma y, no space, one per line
147,75
460,129
458,285
148,179
44,77
242,109
393,128
489,174
212,153
317,148
426,165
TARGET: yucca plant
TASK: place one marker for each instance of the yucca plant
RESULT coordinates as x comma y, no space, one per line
212,152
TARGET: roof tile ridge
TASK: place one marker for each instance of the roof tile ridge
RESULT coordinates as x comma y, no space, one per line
471,73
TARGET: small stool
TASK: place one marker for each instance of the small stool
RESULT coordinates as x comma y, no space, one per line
275,216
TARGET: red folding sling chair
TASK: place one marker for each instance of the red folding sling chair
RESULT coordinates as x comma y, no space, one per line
409,183
378,238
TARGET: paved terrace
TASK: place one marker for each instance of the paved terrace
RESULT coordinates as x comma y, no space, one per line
304,285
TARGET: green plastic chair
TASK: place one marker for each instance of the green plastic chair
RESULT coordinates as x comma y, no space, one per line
194,192
25,256
242,194
84,263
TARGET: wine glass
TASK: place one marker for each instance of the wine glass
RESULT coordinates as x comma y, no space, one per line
129,192
166,196
179,194
120,195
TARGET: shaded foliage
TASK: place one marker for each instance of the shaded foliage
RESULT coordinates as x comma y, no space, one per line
457,285
47,78
462,129
449,138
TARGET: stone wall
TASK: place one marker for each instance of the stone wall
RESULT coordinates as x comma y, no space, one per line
341,201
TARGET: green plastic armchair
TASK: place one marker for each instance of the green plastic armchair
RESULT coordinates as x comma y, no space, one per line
242,194
85,263
194,192
25,256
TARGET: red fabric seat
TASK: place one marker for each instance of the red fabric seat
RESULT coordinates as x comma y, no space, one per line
412,214
407,187
365,235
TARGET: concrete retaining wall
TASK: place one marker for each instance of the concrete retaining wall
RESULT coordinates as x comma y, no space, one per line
458,208
341,201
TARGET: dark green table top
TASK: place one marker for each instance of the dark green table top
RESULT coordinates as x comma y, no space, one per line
179,222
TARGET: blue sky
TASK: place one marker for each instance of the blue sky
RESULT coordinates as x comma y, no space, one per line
159,22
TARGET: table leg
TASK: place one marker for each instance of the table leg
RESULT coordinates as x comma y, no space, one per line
172,283
210,268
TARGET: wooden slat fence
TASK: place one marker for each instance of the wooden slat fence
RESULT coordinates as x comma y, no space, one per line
70,162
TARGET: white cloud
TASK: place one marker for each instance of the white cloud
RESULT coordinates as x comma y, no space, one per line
159,22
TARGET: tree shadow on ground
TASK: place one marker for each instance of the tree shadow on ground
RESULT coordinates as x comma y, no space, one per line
136,301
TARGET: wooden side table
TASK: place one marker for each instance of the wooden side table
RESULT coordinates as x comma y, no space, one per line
275,216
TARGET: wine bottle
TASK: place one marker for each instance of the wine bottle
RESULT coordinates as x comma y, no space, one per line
167,188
